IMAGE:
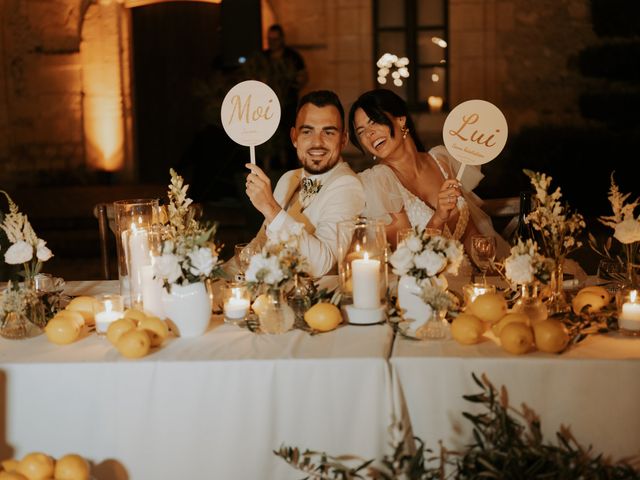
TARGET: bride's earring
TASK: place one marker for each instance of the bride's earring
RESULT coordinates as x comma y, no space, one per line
375,158
404,130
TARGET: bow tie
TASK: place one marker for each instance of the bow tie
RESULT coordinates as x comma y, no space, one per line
308,188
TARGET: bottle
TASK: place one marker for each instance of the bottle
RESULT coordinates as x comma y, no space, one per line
523,230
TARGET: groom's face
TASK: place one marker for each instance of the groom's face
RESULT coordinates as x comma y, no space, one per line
319,137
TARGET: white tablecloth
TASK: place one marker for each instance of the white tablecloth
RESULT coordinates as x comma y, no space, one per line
594,388
210,407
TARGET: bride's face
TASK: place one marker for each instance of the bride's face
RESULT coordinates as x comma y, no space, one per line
375,137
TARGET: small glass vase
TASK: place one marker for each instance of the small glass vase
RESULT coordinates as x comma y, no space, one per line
436,328
530,303
27,322
557,302
277,316
299,299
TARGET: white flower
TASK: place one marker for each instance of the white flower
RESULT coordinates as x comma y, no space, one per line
628,230
402,260
167,267
519,268
287,236
431,261
42,251
19,252
413,243
202,261
264,269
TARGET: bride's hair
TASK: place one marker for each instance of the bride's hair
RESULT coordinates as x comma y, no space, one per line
377,104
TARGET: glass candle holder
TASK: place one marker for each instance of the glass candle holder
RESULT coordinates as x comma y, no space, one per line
362,266
107,309
236,302
629,312
134,219
473,290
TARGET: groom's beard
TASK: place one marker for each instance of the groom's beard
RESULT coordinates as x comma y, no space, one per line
319,166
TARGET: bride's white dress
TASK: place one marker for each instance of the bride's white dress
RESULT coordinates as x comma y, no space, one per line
385,195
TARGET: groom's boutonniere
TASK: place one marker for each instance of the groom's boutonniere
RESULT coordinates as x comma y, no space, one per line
310,187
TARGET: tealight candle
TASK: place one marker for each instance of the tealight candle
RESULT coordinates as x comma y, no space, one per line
108,309
365,278
435,103
236,303
629,316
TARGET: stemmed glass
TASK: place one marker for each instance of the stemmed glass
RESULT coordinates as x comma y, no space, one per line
243,253
483,253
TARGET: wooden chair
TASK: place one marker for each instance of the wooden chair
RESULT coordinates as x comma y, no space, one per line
504,214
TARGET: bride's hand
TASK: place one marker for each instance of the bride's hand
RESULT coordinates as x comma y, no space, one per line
447,199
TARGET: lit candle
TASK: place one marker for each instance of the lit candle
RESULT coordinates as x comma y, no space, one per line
139,256
435,103
109,308
237,305
366,282
151,292
629,318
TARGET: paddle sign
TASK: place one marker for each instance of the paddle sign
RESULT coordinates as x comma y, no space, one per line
475,132
250,114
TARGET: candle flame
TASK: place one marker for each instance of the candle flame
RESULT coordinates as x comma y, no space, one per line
108,305
366,255
633,296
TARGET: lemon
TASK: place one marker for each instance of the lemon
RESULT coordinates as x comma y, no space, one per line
516,338
12,476
157,329
260,304
489,307
85,305
598,290
467,329
74,316
135,314
72,467
510,318
594,301
323,317
10,465
117,328
551,336
36,466
62,330
134,343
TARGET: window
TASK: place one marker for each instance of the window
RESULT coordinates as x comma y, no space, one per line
416,29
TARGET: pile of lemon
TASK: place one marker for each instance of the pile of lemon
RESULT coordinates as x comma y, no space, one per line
136,333
517,333
40,466
68,324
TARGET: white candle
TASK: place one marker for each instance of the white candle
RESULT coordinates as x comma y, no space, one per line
151,292
630,315
106,317
236,308
139,257
365,277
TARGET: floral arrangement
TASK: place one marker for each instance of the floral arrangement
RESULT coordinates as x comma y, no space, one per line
558,226
427,258
279,261
626,228
525,264
189,253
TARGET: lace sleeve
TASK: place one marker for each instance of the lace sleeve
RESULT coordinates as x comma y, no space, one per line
383,193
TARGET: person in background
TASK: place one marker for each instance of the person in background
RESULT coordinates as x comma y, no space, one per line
410,187
322,193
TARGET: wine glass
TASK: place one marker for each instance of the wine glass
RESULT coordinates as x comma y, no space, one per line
483,253
243,253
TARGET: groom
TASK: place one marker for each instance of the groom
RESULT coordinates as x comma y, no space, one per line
322,193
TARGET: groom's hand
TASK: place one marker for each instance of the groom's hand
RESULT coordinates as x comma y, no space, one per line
258,189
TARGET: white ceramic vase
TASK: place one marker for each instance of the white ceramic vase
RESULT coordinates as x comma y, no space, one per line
188,307
415,310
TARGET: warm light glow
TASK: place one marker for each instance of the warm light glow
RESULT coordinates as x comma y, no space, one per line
633,296
390,63
439,42
435,77
435,103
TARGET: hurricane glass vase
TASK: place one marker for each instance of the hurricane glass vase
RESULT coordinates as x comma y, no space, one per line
557,301
277,316
530,303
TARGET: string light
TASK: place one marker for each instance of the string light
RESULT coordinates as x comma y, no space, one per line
389,63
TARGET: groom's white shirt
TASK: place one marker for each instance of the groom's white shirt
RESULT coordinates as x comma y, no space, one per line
341,197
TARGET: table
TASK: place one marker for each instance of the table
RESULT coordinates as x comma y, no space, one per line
594,388
210,407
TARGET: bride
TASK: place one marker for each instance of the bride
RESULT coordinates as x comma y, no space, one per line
410,187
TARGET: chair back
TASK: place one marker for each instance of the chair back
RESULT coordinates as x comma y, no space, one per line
504,214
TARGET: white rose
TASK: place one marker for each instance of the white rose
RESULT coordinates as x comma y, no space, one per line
19,252
202,262
256,263
431,261
42,251
519,268
413,243
264,269
167,267
401,260
628,230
